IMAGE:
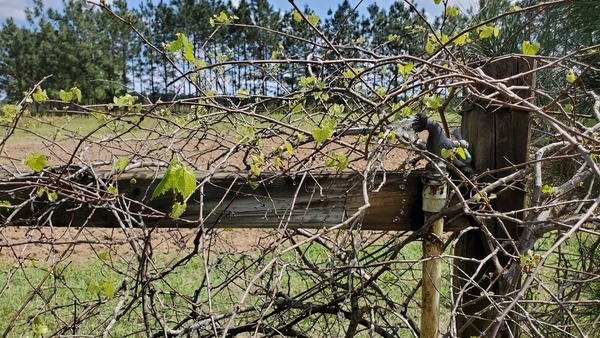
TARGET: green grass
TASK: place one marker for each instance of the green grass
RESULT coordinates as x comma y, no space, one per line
82,283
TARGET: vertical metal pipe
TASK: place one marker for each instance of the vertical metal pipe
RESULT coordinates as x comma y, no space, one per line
435,193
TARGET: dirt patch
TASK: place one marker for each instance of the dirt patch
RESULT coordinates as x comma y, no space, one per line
80,245
208,150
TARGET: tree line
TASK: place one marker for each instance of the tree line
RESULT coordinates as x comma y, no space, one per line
85,47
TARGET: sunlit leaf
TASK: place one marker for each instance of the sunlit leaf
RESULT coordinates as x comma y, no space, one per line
243,92
486,31
178,209
120,164
52,196
93,288
112,189
432,101
547,189
40,95
179,179
289,148
297,16
529,48
109,289
452,11
322,134
336,109
313,18
255,168
571,76
461,39
447,153
405,69
103,255
65,96
36,162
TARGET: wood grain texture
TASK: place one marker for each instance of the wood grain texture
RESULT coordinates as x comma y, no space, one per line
498,139
227,200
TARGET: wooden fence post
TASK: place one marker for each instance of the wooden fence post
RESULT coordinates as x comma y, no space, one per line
498,138
435,193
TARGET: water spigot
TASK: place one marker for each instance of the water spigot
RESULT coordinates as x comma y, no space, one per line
437,140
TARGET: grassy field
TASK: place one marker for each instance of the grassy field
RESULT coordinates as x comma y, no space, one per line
62,291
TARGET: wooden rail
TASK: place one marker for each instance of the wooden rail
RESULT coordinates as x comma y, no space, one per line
226,200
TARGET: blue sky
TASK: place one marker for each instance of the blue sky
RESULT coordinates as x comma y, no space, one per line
15,8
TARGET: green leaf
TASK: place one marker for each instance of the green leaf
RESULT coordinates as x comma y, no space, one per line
437,2
325,131
431,43
65,96
342,161
52,196
432,101
336,109
351,73
486,31
529,48
243,92
305,81
297,16
546,189
452,11
103,255
313,18
94,288
322,134
109,289
462,39
178,209
40,95
10,111
177,44
444,39
405,69
447,153
571,76
125,100
179,179
74,94
37,162
120,164
255,168
289,148
188,53
77,93
5,203
112,189
39,328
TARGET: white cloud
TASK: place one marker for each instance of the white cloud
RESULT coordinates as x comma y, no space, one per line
14,9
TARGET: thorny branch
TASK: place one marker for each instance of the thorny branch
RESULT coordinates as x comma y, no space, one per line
147,273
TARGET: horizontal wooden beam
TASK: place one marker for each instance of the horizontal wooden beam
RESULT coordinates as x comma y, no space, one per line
223,200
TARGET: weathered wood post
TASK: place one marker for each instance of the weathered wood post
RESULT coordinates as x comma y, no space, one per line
499,139
435,192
